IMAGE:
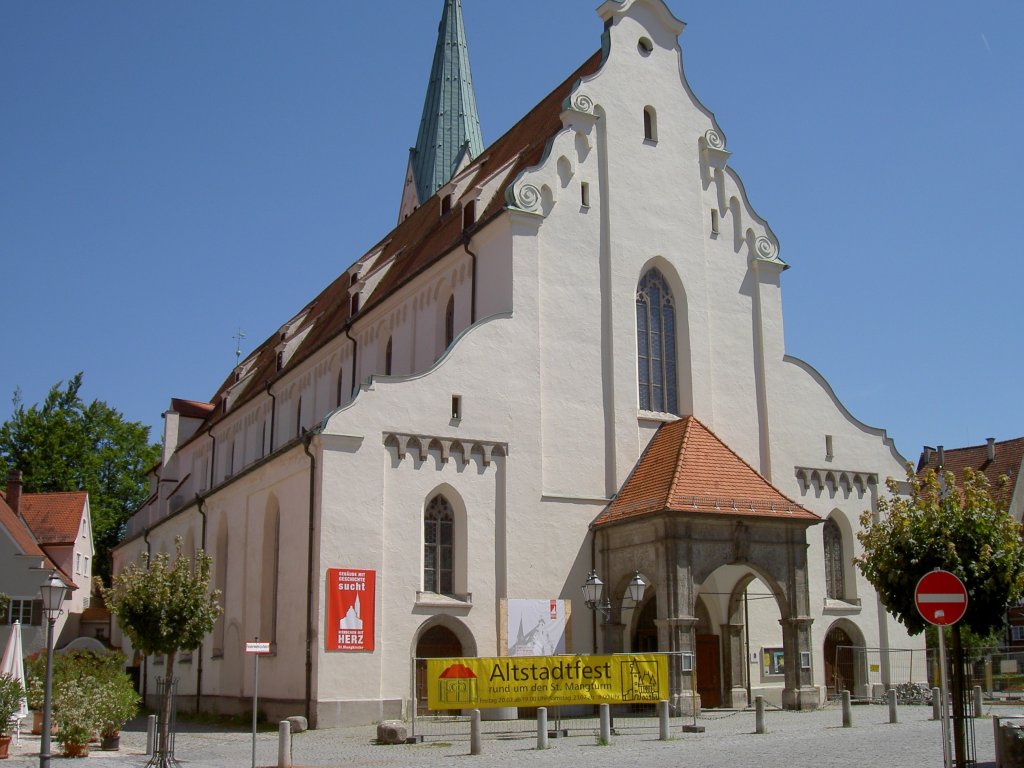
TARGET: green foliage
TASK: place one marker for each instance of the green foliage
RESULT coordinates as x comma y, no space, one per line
103,666
76,716
5,602
162,606
117,704
68,445
11,694
942,525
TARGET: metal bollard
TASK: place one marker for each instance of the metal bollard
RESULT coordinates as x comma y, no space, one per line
977,701
847,711
151,734
542,727
891,696
759,725
476,742
284,744
663,725
936,703
606,724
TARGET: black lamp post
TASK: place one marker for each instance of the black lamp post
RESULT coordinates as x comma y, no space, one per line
52,592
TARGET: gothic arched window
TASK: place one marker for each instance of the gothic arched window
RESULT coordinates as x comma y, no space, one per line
438,547
834,578
656,344
449,322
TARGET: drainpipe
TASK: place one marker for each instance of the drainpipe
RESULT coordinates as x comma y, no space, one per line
466,240
355,360
199,667
273,416
307,438
145,659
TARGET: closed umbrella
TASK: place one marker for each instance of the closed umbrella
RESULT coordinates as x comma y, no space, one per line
13,665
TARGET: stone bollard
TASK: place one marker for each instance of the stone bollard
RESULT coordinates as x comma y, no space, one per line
936,703
847,711
476,742
997,740
977,701
891,696
151,734
284,744
542,727
606,724
663,722
759,725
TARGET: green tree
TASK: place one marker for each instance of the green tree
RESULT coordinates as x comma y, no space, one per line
66,444
940,524
164,607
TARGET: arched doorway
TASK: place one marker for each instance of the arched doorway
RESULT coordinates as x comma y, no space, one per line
709,658
645,635
840,667
438,642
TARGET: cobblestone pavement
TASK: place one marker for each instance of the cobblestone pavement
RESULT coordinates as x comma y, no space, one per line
794,740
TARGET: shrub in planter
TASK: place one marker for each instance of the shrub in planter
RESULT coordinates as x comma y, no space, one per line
10,702
117,703
77,715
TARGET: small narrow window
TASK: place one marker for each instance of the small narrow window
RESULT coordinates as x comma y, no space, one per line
828,447
645,46
449,322
280,360
387,358
298,424
650,124
456,407
585,194
446,204
353,305
714,221
469,214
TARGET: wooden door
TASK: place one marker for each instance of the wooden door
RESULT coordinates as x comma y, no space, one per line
709,671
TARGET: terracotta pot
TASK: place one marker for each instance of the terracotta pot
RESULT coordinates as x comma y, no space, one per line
5,746
110,743
37,723
76,750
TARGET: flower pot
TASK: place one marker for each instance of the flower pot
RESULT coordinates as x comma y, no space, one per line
110,743
73,749
5,746
37,723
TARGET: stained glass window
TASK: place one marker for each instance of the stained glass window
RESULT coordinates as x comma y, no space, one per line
834,581
438,558
656,345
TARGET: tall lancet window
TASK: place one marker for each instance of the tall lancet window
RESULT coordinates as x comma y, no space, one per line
834,582
438,546
656,344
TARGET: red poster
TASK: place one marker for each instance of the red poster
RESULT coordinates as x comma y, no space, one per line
350,600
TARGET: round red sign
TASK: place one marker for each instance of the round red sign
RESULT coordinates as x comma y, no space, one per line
941,598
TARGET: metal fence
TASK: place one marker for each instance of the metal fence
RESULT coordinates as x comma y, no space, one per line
869,672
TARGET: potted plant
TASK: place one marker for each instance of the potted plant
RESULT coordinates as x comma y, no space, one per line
117,703
35,671
11,693
78,702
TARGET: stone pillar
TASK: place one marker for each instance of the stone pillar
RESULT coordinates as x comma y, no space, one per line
800,692
677,636
735,665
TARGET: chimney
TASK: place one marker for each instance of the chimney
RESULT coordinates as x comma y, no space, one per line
927,458
14,490
991,449
942,456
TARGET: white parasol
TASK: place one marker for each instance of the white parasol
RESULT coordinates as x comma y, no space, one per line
13,664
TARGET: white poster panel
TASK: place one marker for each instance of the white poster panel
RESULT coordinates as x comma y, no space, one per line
536,627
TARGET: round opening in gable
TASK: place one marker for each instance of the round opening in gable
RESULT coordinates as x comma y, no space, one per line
645,46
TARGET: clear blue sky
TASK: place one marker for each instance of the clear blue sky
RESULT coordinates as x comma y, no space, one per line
171,172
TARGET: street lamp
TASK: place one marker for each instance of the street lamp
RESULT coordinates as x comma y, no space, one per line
593,589
52,592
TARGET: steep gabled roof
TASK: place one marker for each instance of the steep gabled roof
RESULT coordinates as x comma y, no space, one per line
55,518
418,242
687,469
19,531
1007,462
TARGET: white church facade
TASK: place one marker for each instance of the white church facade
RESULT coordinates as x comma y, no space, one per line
567,358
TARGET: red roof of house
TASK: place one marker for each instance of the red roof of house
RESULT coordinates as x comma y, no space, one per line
686,468
1007,462
419,241
191,409
18,531
55,518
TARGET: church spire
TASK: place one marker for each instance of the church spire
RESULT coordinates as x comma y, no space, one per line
449,135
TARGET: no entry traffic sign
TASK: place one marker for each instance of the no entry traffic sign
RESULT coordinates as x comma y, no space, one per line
941,598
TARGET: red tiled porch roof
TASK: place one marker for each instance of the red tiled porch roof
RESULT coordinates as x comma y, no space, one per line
687,469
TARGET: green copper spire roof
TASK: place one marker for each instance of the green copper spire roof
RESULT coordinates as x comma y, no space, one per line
450,126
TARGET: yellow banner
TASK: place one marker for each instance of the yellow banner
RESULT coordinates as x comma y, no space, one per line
544,681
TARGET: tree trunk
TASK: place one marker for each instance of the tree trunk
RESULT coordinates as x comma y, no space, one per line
957,695
164,745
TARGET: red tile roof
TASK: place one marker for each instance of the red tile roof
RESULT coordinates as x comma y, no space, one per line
687,469
416,243
1009,454
18,531
191,409
55,518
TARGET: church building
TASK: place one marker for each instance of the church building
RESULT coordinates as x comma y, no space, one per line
565,364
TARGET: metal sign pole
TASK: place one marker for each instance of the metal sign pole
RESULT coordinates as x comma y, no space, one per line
947,758
255,694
